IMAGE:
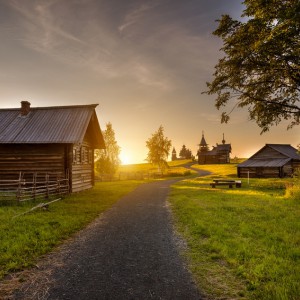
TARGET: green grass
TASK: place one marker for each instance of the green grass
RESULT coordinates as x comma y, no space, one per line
23,239
242,243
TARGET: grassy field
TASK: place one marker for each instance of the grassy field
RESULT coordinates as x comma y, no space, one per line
175,168
23,239
26,237
148,166
242,243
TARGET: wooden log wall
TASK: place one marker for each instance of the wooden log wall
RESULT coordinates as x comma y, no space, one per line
82,170
265,172
30,158
214,159
77,160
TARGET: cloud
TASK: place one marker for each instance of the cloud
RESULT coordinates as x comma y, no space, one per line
146,75
136,15
41,30
147,43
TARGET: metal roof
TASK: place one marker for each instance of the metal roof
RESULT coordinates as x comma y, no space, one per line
286,150
266,163
57,124
217,150
224,147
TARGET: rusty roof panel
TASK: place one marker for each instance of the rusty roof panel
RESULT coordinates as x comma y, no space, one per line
65,124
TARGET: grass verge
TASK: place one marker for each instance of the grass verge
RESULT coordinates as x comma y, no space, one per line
23,239
242,243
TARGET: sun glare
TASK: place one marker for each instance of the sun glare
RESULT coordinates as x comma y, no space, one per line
125,158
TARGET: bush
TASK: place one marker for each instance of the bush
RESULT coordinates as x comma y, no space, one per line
293,188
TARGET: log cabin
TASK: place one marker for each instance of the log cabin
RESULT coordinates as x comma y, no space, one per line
54,140
273,160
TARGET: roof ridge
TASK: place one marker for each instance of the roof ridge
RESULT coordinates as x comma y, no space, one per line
52,107
279,144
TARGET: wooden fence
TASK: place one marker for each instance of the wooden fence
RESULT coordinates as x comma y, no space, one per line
31,186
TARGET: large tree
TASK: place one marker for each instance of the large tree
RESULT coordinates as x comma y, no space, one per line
107,160
261,66
159,148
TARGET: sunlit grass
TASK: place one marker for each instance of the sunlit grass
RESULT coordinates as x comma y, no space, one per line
150,167
242,243
228,170
147,170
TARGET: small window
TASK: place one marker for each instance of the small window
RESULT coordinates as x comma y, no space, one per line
81,155
90,156
74,156
85,155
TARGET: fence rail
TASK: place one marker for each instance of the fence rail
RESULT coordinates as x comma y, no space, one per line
31,186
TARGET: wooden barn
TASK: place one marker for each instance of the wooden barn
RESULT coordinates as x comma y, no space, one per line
219,154
273,160
54,140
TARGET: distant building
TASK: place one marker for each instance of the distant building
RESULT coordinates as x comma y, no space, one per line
220,154
174,154
273,160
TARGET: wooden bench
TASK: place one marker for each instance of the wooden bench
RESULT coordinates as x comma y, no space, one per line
238,183
230,183
214,184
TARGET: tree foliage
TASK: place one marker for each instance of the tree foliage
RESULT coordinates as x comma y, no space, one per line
185,153
107,160
159,148
261,66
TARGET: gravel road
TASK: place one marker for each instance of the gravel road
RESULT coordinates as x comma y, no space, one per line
129,252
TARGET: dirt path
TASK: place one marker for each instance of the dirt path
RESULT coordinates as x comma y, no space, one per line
130,252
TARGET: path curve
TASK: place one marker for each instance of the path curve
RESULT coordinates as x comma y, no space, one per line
129,252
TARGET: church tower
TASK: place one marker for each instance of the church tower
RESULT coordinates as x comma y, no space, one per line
223,141
174,154
203,146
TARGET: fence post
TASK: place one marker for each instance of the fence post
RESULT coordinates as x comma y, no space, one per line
18,194
47,185
34,185
58,184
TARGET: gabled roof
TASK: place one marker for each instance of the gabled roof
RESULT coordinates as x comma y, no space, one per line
256,163
57,124
218,150
287,151
224,147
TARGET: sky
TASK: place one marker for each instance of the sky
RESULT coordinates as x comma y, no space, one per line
145,62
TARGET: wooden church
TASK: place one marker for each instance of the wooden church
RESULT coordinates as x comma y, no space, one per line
219,154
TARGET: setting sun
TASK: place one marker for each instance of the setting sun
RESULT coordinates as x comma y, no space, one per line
125,158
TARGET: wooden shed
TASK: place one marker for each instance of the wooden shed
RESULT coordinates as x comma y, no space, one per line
55,140
273,160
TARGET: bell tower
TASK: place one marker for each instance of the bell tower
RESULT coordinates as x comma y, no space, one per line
203,146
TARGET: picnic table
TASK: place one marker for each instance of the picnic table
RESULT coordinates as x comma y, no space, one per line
230,183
